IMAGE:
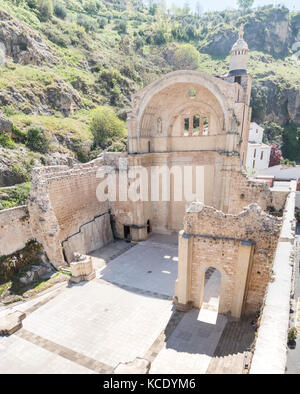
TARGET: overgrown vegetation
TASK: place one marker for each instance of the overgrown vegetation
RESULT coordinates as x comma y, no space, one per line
12,197
107,49
106,127
15,266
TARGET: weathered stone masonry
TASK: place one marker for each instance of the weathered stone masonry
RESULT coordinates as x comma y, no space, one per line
240,246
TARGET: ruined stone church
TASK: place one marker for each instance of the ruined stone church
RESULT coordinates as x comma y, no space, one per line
184,118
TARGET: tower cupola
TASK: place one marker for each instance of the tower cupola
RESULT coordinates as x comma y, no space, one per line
239,55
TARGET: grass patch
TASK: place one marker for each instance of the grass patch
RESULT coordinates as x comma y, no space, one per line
16,196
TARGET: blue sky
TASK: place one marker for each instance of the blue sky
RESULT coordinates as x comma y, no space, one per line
218,5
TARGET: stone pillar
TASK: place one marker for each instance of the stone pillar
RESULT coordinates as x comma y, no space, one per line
183,282
244,257
201,125
82,268
138,233
191,125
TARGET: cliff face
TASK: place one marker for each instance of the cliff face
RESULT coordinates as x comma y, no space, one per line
23,44
269,32
274,32
271,102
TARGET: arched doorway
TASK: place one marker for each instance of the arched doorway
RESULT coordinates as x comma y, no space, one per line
211,296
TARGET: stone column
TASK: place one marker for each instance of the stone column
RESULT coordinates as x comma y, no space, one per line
183,282
191,125
244,257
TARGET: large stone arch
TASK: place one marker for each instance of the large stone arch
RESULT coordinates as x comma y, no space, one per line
143,98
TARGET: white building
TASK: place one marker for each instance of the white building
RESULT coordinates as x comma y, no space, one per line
258,153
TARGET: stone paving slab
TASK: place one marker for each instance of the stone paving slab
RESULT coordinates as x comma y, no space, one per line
20,356
103,322
190,347
147,267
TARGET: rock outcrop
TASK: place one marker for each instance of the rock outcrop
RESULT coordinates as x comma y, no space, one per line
22,44
42,100
272,103
266,30
5,124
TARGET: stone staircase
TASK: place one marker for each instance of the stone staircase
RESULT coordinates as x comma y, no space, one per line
232,355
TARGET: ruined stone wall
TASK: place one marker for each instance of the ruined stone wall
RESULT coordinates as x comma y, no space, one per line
15,230
216,241
64,207
91,236
244,191
270,352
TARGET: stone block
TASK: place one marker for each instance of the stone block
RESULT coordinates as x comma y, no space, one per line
82,268
138,366
11,322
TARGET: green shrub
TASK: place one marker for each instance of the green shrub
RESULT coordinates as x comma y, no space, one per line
45,8
36,139
5,140
102,22
15,196
121,27
292,334
86,22
288,162
32,3
60,11
18,134
106,127
186,57
20,172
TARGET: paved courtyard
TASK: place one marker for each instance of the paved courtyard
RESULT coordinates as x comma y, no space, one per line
126,312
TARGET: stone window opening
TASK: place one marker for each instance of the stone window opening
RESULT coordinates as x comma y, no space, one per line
238,79
127,233
205,125
186,126
149,146
148,227
192,93
196,124
261,155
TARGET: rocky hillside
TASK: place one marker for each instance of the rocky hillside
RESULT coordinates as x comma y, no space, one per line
59,59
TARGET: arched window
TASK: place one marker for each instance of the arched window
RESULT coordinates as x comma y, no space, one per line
196,124
205,125
186,126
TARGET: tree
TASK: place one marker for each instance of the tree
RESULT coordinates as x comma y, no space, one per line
60,11
245,4
186,57
198,8
275,156
36,139
45,8
291,142
106,127
272,133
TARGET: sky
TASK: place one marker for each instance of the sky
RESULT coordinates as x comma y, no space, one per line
219,5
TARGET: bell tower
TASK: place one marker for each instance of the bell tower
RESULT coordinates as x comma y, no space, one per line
238,66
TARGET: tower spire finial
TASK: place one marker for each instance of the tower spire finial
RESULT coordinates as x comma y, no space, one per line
241,32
